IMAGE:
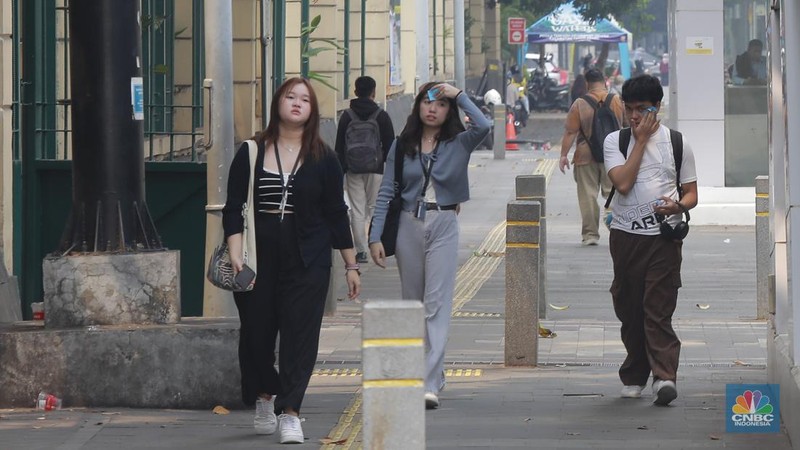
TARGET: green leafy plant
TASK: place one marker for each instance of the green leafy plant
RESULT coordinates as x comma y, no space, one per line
309,50
468,22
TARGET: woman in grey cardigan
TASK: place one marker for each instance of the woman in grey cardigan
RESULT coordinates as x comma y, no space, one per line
435,149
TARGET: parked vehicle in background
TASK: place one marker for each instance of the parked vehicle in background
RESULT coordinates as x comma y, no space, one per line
558,75
649,63
486,103
544,93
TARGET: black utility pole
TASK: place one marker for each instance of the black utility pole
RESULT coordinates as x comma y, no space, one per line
109,213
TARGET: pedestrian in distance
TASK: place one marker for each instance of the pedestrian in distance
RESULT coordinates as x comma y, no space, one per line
653,172
300,214
435,150
587,61
363,138
588,171
663,69
750,67
578,89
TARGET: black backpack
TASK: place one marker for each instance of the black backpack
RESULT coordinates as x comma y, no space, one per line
677,153
362,144
604,123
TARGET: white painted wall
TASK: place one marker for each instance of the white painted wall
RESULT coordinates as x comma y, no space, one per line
699,103
697,109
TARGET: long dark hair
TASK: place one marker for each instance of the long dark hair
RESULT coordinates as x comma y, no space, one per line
411,136
579,88
313,148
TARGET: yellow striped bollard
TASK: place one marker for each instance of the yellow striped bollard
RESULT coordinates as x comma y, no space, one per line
522,283
393,359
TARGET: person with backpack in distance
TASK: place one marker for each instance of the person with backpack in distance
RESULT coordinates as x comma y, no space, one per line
653,172
429,163
590,119
363,138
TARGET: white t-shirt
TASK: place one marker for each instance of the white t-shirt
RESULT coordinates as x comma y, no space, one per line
634,213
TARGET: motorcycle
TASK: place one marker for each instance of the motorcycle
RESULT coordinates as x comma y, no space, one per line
545,94
520,112
486,109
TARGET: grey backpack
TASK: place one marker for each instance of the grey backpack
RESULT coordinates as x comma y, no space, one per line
362,144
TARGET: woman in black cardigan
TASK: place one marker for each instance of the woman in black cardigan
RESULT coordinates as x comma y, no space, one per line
300,215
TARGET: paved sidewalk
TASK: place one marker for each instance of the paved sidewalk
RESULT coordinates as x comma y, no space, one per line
570,402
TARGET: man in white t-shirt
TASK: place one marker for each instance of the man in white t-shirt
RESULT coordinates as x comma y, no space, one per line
647,261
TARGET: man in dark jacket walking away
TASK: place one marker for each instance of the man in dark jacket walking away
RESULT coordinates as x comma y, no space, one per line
363,139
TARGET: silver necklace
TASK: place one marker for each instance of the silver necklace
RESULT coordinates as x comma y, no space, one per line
291,150
430,139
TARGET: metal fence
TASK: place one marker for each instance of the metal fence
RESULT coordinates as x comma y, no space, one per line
173,68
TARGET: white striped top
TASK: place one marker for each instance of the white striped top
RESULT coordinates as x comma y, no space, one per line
269,192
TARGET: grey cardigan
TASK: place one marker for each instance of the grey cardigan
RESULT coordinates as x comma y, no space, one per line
449,174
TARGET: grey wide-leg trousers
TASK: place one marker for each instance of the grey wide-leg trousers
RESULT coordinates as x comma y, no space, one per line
427,259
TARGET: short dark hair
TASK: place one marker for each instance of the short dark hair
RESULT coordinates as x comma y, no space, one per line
365,86
594,75
644,88
755,43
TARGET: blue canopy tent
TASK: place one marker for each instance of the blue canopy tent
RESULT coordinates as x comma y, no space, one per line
565,24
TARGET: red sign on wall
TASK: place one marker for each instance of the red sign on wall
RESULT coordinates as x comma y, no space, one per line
516,30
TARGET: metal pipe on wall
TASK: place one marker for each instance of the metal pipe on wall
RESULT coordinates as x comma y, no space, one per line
363,37
219,139
346,81
266,54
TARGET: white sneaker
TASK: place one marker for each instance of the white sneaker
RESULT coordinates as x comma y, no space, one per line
431,400
291,430
664,391
265,421
632,391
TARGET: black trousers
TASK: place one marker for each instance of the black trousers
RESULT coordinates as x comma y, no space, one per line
647,275
287,299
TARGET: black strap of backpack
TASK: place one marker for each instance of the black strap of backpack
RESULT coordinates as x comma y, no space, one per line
677,153
398,168
675,137
595,106
354,116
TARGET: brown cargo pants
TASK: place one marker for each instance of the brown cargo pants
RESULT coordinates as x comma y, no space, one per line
647,275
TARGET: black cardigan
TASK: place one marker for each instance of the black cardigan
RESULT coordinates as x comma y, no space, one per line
320,212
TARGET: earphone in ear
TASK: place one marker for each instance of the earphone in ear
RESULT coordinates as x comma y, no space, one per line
680,230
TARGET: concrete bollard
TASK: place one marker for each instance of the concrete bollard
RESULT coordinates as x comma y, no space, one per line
522,283
763,247
393,359
534,188
499,145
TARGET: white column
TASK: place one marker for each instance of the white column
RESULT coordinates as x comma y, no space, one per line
791,12
777,177
219,133
700,101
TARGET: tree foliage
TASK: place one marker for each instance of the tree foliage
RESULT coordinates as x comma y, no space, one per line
635,10
590,9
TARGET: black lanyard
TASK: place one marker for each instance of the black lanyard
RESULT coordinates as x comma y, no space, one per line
284,186
426,171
